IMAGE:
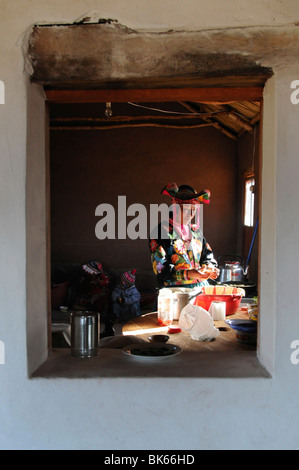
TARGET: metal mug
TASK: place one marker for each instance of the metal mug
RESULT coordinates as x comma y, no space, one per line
84,333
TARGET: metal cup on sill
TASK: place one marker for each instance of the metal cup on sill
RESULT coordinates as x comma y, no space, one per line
84,333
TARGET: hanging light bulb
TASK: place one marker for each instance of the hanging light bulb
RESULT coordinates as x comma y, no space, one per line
108,110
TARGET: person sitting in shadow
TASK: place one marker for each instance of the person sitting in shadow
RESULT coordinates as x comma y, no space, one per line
126,297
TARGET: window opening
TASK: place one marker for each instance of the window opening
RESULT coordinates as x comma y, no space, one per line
249,194
249,201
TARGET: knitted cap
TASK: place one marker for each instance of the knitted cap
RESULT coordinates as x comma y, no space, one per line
128,277
93,267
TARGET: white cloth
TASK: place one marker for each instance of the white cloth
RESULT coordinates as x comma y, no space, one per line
198,322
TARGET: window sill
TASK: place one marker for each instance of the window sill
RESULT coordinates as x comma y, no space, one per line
115,364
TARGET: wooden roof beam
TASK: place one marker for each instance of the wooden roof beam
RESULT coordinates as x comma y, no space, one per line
207,95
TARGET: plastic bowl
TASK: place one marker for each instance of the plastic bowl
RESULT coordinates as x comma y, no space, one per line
63,308
158,338
248,338
245,330
232,297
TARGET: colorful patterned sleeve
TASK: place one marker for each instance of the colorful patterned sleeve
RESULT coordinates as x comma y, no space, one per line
166,272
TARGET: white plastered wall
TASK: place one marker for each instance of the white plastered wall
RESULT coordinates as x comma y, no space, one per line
142,413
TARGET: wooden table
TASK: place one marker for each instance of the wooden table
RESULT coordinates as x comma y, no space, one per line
147,325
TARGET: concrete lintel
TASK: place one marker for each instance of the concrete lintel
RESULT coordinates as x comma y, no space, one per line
109,52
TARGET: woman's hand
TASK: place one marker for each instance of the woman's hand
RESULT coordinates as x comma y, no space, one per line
206,272
215,273
211,270
194,274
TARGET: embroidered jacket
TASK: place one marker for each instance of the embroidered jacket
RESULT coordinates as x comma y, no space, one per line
172,257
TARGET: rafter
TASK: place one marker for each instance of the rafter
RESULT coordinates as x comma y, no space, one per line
217,125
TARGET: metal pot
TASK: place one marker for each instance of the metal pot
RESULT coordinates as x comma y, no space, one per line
181,296
231,269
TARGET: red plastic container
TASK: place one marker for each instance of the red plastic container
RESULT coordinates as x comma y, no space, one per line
232,296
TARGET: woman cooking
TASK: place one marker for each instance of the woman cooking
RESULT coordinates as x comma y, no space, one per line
180,254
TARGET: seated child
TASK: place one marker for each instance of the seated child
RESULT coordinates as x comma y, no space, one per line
90,288
125,297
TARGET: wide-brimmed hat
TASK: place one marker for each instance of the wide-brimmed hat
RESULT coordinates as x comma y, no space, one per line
186,194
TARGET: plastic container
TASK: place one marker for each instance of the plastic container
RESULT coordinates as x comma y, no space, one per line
174,329
253,312
232,297
165,307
